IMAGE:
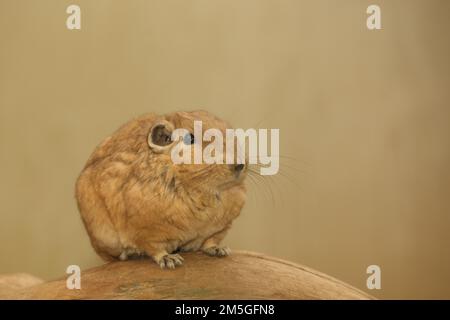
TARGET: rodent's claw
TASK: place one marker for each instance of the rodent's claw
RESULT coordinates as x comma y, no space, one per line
217,251
170,261
123,256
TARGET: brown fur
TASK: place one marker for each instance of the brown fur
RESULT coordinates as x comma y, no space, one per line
135,201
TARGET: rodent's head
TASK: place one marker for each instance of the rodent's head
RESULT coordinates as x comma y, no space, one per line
144,145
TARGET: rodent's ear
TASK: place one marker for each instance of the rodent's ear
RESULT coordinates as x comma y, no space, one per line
160,136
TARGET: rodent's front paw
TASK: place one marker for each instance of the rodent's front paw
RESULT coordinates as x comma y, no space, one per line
217,251
170,261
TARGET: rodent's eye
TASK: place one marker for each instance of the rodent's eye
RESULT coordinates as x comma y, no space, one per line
188,138
161,136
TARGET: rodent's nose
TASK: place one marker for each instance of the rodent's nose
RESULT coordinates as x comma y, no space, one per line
238,167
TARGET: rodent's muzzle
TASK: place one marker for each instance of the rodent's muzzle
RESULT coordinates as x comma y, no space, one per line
237,169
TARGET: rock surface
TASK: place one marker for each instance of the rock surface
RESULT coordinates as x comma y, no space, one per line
243,275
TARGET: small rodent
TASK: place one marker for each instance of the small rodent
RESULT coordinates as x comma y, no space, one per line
134,200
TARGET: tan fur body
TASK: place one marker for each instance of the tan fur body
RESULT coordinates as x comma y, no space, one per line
136,201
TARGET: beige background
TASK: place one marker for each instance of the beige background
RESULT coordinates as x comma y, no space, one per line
364,119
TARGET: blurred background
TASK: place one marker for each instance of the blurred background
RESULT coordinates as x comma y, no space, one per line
364,122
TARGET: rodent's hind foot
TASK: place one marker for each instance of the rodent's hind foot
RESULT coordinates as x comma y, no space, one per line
170,261
217,251
130,253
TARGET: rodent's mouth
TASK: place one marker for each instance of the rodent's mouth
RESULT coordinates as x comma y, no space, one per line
238,179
